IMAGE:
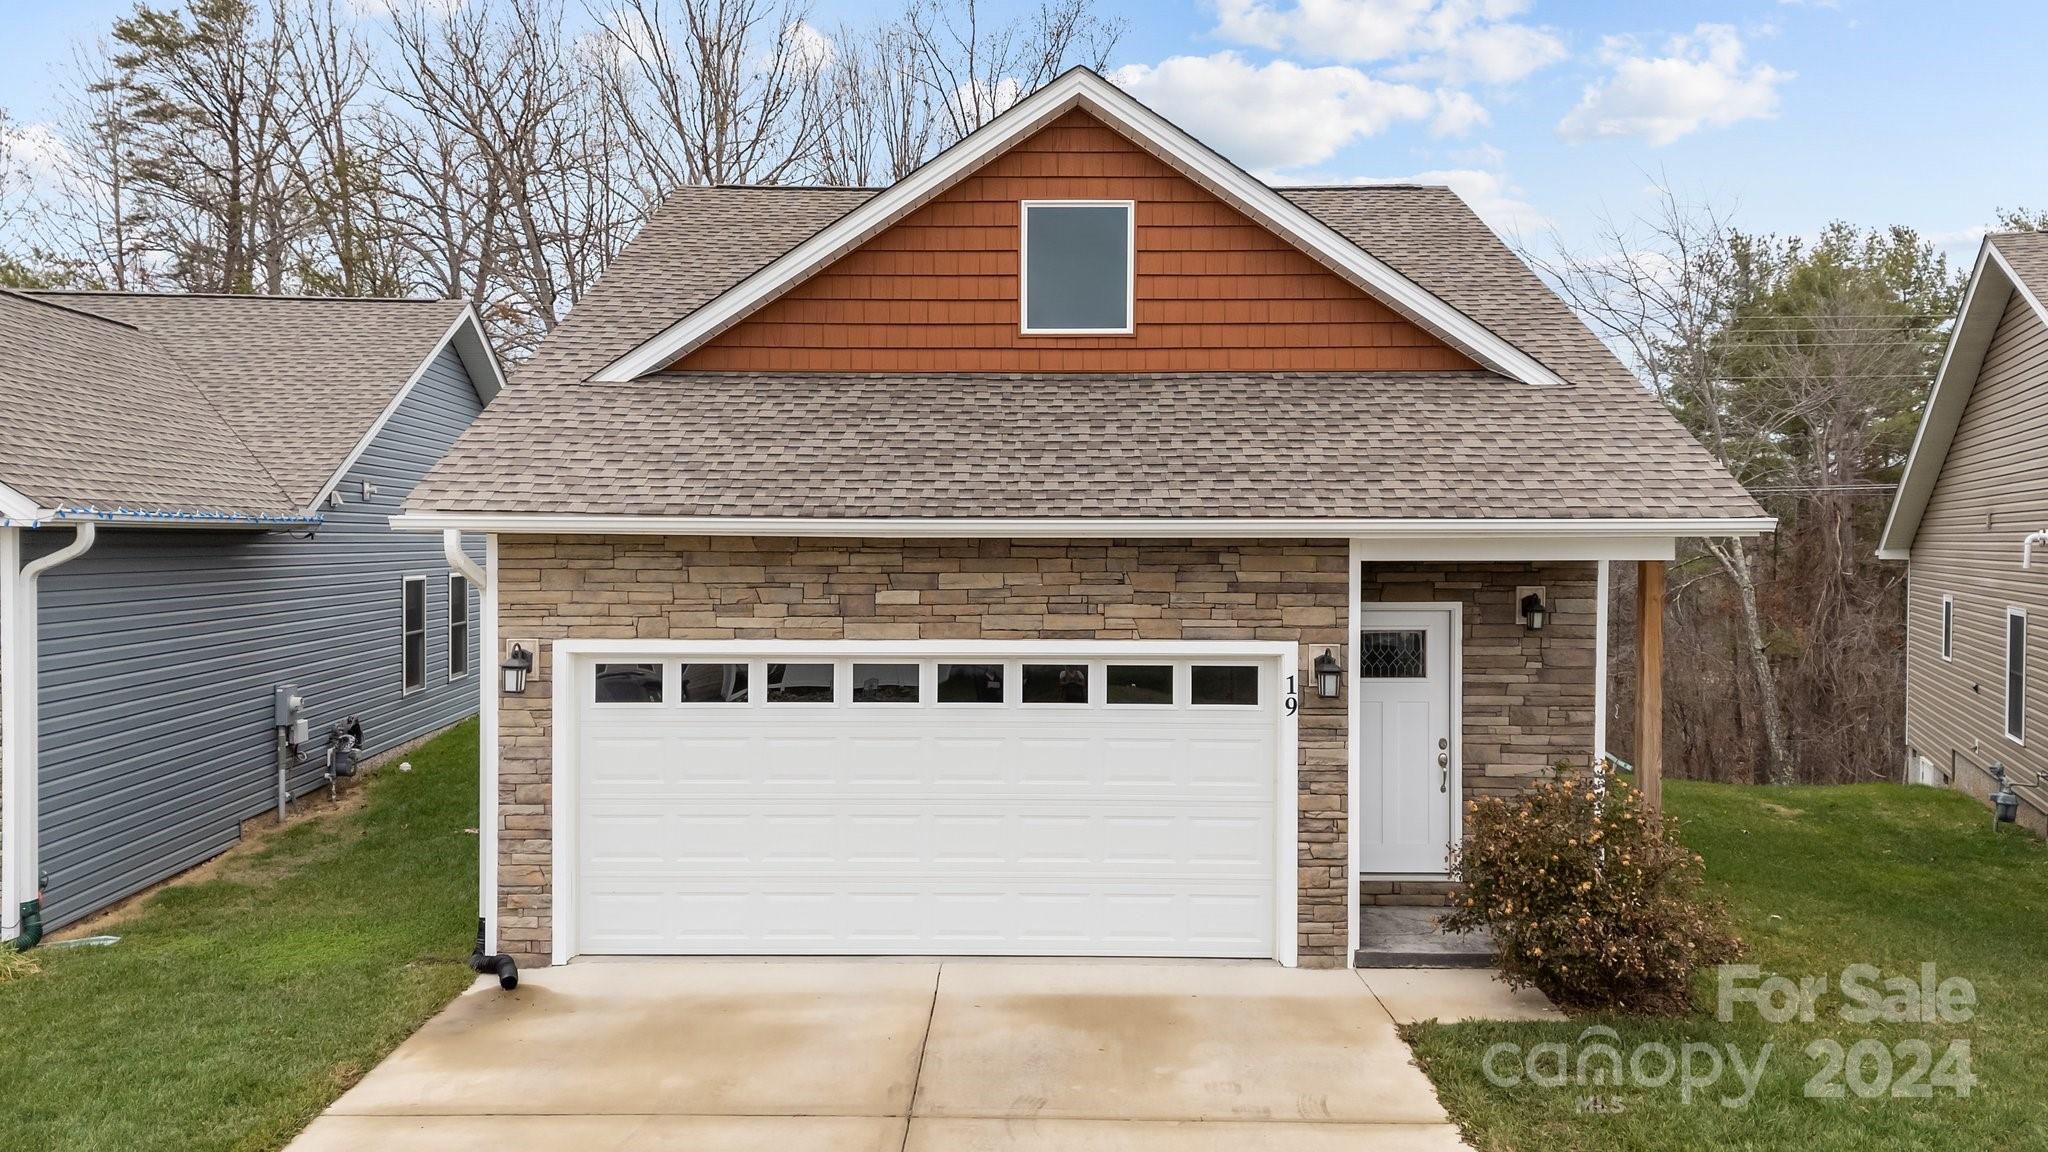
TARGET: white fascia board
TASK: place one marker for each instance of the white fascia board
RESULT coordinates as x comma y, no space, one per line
471,345
1992,282
18,509
1555,538
1083,89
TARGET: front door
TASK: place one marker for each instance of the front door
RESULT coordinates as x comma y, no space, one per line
1407,768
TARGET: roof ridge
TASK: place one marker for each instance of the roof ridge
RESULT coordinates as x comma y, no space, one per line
286,297
34,297
1361,186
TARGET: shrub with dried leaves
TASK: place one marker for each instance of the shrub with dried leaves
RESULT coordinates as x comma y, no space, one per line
1590,900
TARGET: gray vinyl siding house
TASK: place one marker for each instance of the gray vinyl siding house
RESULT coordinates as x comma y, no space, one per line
1974,491
157,650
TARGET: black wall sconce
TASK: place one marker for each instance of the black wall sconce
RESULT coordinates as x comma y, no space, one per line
1533,612
518,664
1329,675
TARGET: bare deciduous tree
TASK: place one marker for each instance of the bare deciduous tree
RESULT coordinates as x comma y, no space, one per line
715,91
1665,291
976,71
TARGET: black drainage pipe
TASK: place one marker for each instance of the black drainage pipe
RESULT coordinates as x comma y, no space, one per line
500,965
32,917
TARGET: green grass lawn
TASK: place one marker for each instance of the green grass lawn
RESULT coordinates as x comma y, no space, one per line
234,1010
1817,878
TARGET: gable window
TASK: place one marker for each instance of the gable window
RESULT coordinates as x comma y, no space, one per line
458,626
2016,675
1077,266
413,633
1948,627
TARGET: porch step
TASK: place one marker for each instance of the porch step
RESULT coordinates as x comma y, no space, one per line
1394,937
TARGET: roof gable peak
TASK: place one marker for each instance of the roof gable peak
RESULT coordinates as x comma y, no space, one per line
1085,90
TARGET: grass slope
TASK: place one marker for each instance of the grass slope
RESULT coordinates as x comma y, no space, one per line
235,1009
1817,878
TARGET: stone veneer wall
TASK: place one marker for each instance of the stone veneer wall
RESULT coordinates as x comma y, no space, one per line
709,588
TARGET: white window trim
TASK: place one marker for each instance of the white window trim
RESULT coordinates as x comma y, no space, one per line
2020,739
468,628
1948,627
572,660
1130,208
405,583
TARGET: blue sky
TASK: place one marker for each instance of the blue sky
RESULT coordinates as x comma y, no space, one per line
1544,114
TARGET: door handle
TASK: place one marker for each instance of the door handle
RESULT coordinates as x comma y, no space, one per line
1443,764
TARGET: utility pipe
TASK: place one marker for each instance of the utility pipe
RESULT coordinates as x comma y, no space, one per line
24,784
2027,547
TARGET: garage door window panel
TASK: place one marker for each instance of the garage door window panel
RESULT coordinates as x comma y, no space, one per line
1140,684
628,684
886,683
712,683
1055,683
971,683
800,683
1223,685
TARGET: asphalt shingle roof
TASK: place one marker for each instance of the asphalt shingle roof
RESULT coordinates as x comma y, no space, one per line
1391,445
1381,445
299,379
2027,252
99,416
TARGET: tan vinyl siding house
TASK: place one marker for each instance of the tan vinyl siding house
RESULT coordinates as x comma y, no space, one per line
1965,582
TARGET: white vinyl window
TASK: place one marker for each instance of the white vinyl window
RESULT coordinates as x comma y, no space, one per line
413,633
1076,274
458,626
2016,675
1948,627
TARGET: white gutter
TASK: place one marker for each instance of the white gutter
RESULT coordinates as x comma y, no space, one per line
1093,527
20,782
483,580
2027,547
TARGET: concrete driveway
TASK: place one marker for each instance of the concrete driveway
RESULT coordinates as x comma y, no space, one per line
893,1056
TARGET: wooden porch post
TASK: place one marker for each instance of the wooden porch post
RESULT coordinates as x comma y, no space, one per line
1650,682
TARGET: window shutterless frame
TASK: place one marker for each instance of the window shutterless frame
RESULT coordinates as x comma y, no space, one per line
2016,675
458,626
1024,208
1948,627
412,634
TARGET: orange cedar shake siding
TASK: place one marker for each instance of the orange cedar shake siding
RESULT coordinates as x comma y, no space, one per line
937,291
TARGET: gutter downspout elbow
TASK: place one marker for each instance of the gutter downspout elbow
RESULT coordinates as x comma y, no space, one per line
25,856
451,545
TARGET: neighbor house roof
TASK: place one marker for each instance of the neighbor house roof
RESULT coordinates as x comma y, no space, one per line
1578,438
214,407
2008,263
95,414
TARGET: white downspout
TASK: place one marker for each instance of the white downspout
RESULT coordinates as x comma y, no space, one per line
22,854
484,580
1601,592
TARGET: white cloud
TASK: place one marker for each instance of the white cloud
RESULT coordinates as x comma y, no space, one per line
1455,40
1456,113
1282,115
1701,81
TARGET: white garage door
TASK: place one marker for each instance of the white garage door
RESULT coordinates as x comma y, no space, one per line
972,804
